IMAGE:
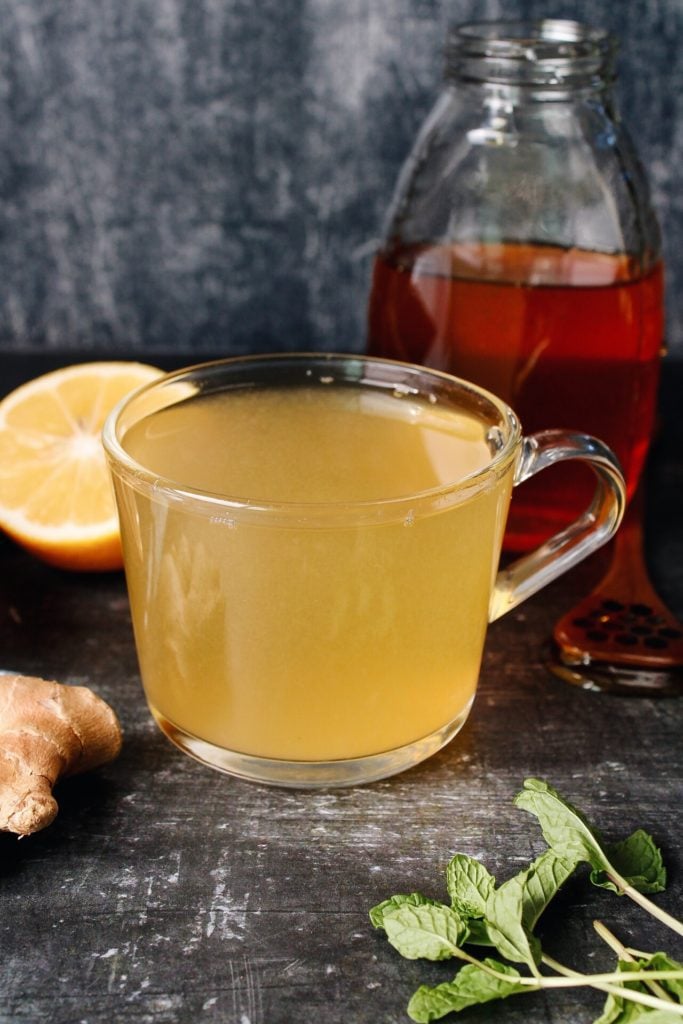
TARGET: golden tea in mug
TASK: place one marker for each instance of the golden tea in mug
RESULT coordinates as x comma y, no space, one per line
281,641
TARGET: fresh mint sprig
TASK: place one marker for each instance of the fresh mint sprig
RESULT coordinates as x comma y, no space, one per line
481,913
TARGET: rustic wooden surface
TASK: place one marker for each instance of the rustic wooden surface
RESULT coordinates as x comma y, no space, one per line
166,893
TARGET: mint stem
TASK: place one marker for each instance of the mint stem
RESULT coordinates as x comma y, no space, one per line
638,953
645,903
642,998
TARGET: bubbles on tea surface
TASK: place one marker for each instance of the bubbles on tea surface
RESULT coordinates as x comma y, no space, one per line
409,519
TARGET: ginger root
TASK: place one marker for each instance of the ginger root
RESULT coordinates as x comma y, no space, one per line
47,731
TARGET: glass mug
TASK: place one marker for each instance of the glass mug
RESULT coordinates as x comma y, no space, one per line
311,546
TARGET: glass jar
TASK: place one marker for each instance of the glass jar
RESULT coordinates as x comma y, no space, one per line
522,251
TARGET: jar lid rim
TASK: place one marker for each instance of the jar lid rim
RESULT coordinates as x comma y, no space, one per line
558,32
551,51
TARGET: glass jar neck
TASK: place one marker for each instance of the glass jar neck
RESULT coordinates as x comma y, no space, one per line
552,56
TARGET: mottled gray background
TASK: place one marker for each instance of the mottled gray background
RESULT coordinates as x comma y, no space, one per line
213,174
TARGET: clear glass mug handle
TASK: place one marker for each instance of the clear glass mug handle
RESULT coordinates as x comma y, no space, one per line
581,538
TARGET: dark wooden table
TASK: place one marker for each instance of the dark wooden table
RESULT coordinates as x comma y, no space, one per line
165,892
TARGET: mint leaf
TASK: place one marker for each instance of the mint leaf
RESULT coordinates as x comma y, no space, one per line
564,827
470,987
427,931
478,933
663,962
505,923
414,899
618,1010
469,885
540,882
621,1011
639,861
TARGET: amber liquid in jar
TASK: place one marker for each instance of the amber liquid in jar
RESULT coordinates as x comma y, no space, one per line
569,338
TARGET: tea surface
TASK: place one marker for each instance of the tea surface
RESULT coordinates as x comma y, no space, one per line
317,444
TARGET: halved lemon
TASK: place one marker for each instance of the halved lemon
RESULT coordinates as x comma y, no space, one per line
56,497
